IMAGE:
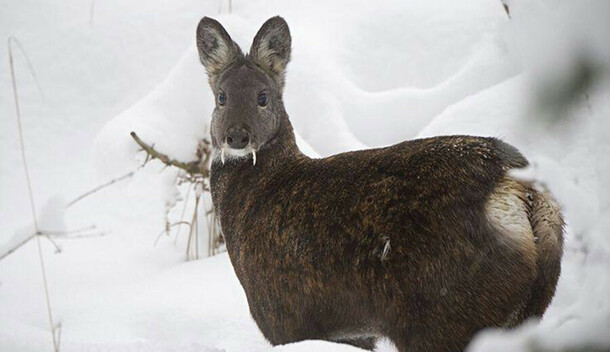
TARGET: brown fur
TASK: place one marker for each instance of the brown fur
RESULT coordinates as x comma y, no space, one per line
306,235
425,242
547,222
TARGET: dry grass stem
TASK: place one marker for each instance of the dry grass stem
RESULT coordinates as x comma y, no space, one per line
30,193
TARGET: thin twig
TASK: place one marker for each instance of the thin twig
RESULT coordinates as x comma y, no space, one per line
73,234
214,232
193,224
186,199
197,229
62,233
19,245
190,167
169,226
100,187
189,239
207,223
57,247
84,235
195,172
54,235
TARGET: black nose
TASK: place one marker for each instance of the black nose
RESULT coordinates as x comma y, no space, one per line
238,139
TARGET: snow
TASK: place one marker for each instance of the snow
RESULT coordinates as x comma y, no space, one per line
53,215
315,346
363,75
52,219
19,238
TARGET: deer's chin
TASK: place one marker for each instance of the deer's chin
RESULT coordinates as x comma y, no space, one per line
225,153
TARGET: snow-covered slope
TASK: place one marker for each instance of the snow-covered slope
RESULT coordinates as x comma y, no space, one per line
363,74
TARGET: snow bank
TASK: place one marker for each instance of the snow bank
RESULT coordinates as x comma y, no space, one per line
325,98
172,117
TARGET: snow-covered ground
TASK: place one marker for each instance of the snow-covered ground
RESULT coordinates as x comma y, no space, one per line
363,74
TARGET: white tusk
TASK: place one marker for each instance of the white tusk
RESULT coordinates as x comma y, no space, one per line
222,155
253,156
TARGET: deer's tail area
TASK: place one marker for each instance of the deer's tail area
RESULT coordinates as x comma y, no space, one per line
548,227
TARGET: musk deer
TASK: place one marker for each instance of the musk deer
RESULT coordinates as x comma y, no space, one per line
425,242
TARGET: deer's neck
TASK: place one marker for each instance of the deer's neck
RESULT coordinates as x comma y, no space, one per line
240,175
281,148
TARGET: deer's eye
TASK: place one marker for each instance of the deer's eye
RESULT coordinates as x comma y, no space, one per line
262,99
222,98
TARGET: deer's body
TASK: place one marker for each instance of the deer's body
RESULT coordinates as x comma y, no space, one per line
425,242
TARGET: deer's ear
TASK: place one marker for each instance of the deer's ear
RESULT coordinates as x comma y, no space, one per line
217,51
271,48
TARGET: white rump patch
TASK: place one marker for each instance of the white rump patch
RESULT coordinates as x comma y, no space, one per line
506,210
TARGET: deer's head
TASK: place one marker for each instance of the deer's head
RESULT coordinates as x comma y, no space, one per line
247,88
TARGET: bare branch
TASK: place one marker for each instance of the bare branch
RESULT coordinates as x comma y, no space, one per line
196,173
100,187
73,234
192,167
80,236
19,240
63,233
6,253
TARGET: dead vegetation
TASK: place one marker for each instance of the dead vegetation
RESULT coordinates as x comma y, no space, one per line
197,175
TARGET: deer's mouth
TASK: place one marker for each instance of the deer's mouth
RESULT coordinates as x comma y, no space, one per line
228,153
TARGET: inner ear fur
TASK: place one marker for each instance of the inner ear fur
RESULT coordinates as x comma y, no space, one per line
271,48
217,51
